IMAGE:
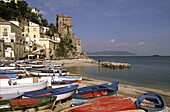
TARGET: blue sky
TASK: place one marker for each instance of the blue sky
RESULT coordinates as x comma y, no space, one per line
137,26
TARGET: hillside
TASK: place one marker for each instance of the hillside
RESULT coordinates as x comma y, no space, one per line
121,53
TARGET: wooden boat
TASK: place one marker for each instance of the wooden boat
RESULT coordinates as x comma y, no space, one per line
106,85
8,96
85,96
21,85
51,71
29,105
11,72
61,93
36,64
107,104
77,79
54,81
57,84
2,64
151,102
6,76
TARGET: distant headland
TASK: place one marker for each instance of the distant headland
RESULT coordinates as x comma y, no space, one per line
111,53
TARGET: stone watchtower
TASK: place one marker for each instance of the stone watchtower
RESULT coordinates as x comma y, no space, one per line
64,26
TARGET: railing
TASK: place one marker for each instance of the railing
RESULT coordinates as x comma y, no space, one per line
5,33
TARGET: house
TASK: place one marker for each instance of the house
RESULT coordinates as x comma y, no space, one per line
8,1
34,32
14,42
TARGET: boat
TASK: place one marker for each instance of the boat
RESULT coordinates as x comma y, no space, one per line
107,104
61,93
21,85
11,72
8,96
86,95
105,85
29,105
35,64
51,71
151,102
2,64
6,76
77,79
57,84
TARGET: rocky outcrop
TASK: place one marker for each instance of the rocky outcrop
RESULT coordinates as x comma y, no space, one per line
114,65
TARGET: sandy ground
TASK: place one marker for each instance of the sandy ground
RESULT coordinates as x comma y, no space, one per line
131,91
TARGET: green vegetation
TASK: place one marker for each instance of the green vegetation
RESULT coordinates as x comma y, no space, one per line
19,11
64,47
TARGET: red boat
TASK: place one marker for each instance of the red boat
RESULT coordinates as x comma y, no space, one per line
107,104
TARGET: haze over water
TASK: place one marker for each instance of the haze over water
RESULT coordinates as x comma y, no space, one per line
146,71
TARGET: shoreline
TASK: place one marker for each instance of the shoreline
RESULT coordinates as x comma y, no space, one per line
128,90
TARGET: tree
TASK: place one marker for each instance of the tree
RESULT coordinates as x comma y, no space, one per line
44,22
52,29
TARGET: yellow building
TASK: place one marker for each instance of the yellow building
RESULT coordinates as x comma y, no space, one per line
49,45
14,42
34,32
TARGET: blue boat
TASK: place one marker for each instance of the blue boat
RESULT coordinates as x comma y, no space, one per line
6,76
58,84
91,92
62,82
61,93
151,102
106,85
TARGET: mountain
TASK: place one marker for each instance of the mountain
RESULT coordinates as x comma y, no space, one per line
120,53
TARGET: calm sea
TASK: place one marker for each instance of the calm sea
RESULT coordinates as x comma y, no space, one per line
146,71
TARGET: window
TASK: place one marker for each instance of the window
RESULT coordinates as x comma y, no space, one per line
34,29
12,40
34,36
5,32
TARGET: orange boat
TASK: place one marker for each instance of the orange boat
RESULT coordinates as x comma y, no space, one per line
107,104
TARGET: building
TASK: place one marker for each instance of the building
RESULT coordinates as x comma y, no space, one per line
64,26
34,32
14,42
8,1
2,54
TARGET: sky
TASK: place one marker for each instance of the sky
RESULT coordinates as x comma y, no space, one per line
137,26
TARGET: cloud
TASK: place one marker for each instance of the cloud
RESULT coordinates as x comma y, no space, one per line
139,44
43,12
122,44
112,41
51,6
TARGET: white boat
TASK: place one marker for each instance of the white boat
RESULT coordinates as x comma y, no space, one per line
51,71
77,79
36,64
21,85
8,96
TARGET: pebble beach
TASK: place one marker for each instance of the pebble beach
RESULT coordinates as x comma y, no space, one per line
127,90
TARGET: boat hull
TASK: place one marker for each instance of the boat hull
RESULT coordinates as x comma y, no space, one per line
26,87
43,103
107,104
77,79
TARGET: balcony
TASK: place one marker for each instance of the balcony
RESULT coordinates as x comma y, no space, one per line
5,33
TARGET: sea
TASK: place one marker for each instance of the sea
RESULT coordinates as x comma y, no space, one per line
146,71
